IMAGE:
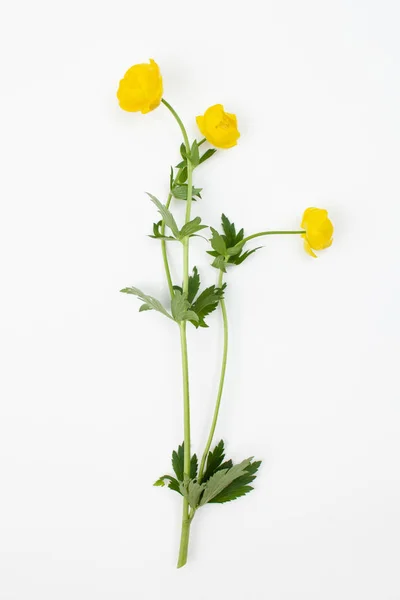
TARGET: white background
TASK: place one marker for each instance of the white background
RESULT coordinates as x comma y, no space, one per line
91,389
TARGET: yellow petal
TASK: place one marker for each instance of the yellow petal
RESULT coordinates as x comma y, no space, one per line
308,248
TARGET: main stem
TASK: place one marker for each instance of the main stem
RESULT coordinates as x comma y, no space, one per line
221,384
184,544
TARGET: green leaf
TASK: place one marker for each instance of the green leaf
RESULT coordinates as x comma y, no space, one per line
178,463
180,192
240,486
149,301
181,164
192,491
214,460
217,242
245,255
194,154
207,154
166,215
184,175
206,303
182,150
219,263
173,483
145,307
235,249
180,308
194,285
221,479
194,463
229,231
158,235
191,228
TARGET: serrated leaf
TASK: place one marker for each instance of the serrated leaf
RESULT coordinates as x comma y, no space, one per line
167,216
219,263
180,308
191,227
221,479
194,463
229,231
235,249
158,235
217,242
178,459
180,192
192,491
173,483
194,154
240,486
245,255
153,303
194,285
207,154
214,460
206,303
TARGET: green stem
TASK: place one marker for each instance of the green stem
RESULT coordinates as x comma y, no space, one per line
250,237
164,243
183,550
221,383
179,121
201,142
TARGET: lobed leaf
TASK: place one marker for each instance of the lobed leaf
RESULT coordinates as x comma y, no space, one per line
149,302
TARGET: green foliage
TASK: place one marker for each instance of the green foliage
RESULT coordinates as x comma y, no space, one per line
227,248
218,242
180,308
215,462
191,228
206,303
173,483
180,192
194,285
221,479
207,154
158,235
150,303
178,463
166,215
240,486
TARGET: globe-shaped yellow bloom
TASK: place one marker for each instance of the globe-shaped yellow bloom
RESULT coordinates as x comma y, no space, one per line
219,127
318,230
141,89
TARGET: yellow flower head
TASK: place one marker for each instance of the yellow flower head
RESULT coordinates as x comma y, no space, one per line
318,230
218,127
141,89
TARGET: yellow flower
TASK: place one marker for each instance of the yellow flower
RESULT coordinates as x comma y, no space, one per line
141,89
318,230
219,127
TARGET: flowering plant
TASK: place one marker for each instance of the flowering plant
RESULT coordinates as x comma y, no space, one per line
214,480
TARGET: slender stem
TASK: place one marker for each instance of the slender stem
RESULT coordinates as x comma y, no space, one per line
164,243
183,550
179,121
201,142
221,383
250,237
